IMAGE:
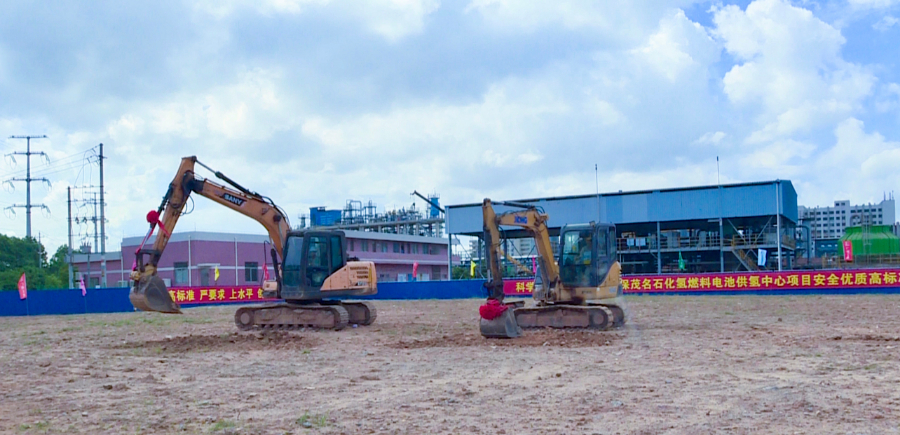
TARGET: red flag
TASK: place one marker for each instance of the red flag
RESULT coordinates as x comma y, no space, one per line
265,272
23,287
848,251
415,269
83,288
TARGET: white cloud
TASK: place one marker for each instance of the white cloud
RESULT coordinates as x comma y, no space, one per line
616,22
888,98
316,102
860,166
873,4
391,19
885,23
395,19
679,46
711,138
782,159
789,67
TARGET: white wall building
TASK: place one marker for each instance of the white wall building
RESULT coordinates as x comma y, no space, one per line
829,222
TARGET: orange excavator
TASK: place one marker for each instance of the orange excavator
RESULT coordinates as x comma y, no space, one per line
312,276
582,290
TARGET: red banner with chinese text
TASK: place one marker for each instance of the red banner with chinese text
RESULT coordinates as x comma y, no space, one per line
848,251
518,287
218,294
820,279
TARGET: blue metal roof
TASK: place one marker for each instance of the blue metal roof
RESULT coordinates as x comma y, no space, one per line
679,204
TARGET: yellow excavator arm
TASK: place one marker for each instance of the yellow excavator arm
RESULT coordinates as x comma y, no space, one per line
149,292
531,220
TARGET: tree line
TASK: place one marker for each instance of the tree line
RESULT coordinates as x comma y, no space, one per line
27,255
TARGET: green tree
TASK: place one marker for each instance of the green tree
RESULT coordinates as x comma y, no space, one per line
460,272
58,268
27,255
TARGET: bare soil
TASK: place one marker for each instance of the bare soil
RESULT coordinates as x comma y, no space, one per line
694,365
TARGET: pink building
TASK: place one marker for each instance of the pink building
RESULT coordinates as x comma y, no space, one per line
191,258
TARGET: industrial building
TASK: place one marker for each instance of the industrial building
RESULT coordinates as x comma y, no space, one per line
744,226
365,217
191,258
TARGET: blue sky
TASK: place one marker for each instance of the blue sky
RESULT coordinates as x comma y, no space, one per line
314,102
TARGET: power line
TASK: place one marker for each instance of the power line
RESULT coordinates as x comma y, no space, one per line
71,160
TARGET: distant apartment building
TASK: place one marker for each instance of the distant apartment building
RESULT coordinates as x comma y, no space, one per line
830,222
191,258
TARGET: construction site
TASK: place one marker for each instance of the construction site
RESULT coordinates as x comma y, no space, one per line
703,364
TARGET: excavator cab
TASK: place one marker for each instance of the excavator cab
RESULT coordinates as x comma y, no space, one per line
316,266
586,254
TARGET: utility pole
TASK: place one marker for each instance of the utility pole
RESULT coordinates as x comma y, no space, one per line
69,258
102,226
28,179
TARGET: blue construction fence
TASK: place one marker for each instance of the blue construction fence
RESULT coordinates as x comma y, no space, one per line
115,300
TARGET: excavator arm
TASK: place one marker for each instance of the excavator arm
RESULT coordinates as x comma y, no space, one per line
149,293
531,220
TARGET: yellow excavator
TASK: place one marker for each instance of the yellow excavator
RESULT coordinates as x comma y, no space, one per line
312,275
582,290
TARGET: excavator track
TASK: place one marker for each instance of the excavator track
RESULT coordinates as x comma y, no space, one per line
361,313
599,317
286,316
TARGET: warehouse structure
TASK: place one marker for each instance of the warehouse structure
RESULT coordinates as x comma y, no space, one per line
745,226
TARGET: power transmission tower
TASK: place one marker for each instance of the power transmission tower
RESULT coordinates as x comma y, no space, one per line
28,205
89,203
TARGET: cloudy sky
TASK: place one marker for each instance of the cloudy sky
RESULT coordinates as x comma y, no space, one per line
314,102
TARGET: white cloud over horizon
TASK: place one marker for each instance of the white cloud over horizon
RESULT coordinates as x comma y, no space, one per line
315,102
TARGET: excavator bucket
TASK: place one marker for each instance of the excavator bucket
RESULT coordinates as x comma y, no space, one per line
150,294
503,326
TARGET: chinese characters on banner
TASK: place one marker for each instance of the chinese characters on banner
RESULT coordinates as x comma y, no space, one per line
202,295
514,287
833,279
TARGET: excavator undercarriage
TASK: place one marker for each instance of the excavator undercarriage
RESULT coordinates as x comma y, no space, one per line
287,316
518,317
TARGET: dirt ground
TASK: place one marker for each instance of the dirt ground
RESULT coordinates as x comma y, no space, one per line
774,365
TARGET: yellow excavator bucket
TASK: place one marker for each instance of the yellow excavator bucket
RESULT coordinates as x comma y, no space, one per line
151,294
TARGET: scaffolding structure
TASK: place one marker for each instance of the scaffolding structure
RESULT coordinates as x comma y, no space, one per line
357,215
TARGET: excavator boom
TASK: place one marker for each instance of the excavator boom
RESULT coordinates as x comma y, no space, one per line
149,292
